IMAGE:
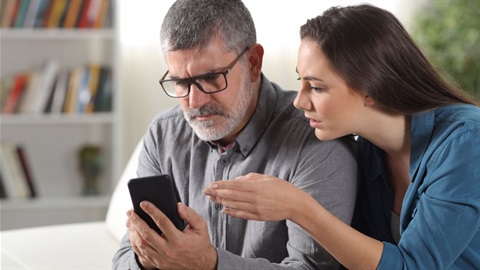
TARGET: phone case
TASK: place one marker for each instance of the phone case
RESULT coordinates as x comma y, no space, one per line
160,191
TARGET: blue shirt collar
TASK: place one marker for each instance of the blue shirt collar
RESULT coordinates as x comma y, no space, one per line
421,132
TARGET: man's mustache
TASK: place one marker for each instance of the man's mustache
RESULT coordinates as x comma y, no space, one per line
205,110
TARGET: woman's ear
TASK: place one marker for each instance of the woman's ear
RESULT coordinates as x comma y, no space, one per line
255,59
368,101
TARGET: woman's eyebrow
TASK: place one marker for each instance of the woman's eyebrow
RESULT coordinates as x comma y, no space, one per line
309,78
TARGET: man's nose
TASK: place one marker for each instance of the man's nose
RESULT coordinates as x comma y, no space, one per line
197,98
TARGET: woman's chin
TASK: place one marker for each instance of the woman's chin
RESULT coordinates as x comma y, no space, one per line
325,136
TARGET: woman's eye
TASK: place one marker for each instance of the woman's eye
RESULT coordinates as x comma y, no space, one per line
316,89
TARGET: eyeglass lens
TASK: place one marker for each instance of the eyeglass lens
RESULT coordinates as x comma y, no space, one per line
209,83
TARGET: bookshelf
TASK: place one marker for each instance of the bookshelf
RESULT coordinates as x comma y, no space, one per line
52,140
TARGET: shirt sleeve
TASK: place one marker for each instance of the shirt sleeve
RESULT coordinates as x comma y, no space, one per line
445,217
125,258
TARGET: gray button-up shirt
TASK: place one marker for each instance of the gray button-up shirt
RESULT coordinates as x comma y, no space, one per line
277,141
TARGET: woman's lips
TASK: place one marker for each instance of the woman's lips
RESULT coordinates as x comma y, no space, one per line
314,123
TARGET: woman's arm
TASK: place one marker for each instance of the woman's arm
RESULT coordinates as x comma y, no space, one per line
263,197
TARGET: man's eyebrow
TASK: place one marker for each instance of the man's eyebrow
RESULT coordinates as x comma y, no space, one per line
197,76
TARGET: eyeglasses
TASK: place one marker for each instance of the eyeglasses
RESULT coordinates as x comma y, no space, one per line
208,83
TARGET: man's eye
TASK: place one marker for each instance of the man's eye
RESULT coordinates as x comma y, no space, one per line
209,77
180,83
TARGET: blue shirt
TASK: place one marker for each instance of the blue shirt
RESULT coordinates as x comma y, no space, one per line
440,217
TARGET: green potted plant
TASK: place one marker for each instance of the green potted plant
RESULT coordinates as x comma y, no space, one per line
449,34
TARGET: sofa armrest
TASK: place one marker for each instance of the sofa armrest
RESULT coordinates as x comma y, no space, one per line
120,202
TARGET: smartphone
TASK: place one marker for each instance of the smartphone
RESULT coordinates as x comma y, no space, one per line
160,190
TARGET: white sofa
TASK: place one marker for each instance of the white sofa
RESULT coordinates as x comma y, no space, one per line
89,245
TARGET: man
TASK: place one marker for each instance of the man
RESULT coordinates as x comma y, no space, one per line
231,121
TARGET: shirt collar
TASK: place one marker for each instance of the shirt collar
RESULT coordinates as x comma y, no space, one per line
421,132
257,124
254,129
221,149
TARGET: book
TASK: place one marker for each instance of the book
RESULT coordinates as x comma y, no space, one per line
2,9
47,76
15,182
3,193
6,173
31,14
50,76
28,93
93,12
100,21
83,96
74,81
9,12
58,97
20,81
72,13
83,18
5,86
56,12
94,79
103,97
25,166
21,13
42,13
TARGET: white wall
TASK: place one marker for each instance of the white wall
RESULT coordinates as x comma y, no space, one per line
277,30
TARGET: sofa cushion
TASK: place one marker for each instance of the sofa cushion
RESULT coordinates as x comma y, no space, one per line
76,246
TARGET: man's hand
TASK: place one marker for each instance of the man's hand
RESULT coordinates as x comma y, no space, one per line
174,249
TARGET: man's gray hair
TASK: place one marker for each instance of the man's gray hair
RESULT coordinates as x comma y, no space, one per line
195,23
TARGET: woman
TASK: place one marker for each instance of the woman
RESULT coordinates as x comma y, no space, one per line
419,199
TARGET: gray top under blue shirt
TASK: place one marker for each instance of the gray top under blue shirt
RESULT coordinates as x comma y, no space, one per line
277,141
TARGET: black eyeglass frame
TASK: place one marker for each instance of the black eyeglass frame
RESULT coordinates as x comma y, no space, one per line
193,80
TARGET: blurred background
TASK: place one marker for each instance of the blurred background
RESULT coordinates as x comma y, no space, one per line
448,31
74,158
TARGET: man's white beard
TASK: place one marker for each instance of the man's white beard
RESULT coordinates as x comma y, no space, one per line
226,121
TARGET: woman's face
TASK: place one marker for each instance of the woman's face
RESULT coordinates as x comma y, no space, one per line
333,108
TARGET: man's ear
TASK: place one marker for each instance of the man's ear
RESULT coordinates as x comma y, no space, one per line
255,59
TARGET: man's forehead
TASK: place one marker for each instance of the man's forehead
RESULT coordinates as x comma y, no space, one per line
189,63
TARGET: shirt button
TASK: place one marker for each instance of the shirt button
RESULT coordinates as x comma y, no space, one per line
218,206
223,161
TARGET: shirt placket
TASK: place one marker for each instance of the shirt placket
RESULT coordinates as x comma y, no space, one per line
222,169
